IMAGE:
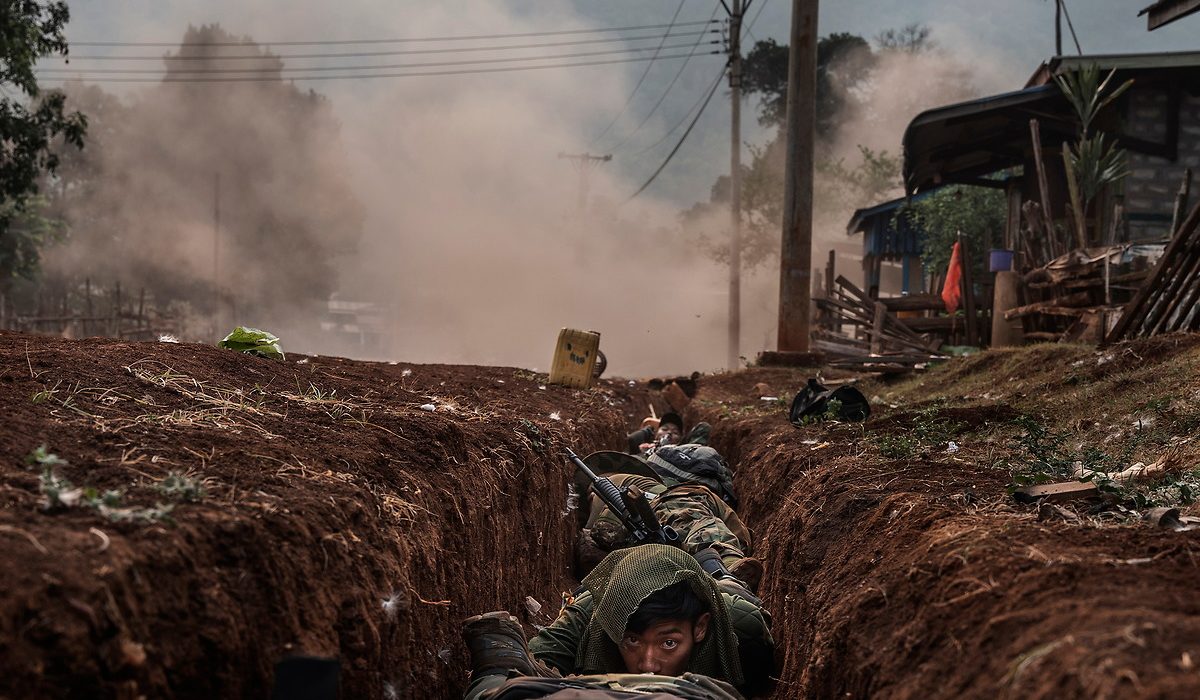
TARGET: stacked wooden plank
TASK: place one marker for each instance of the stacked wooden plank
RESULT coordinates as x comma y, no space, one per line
1170,298
891,347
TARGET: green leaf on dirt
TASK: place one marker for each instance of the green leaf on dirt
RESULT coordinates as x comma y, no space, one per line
253,341
41,457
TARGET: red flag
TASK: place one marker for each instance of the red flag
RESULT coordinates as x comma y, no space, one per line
952,289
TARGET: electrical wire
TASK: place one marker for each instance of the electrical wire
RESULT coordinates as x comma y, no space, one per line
1063,5
762,4
682,119
363,54
173,44
273,79
641,80
391,66
663,96
683,138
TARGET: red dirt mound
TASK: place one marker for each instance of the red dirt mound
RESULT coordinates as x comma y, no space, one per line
341,516
898,567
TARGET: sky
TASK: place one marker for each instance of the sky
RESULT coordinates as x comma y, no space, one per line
1004,40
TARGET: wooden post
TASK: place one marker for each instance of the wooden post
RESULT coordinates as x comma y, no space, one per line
968,293
877,329
1181,200
1080,215
830,270
1006,333
1044,190
116,312
87,295
1114,226
796,251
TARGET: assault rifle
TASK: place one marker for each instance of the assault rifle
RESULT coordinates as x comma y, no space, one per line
630,506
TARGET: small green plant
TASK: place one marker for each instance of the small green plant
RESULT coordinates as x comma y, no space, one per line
39,457
833,409
181,487
928,429
58,493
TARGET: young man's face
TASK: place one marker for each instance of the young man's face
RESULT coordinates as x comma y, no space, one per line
664,648
668,434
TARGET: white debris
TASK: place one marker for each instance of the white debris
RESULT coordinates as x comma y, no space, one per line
167,338
532,605
769,398
393,363
542,387
952,447
1104,359
303,361
428,407
555,416
406,373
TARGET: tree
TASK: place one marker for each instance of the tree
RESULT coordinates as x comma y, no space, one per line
979,213
843,61
30,123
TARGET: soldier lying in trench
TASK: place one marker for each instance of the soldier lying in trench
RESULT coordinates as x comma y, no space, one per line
667,430
648,610
690,488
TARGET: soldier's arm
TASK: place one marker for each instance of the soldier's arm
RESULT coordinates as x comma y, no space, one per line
558,644
636,438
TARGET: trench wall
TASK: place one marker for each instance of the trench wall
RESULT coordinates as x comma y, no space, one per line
355,510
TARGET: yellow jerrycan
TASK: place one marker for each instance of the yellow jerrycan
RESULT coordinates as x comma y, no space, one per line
575,355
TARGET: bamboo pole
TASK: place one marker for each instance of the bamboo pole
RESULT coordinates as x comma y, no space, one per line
1080,216
1043,189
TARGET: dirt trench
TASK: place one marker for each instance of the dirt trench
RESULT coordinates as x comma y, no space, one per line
919,577
360,510
350,509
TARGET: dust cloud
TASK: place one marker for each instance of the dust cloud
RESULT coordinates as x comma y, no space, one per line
434,212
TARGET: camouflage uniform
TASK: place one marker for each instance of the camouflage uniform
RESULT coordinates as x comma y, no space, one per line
608,686
697,514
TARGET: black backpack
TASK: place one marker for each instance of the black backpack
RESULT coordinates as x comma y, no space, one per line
813,403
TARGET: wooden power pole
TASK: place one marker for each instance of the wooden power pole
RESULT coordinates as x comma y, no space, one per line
735,184
795,291
584,163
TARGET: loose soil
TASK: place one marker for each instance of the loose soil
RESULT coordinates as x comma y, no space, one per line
342,518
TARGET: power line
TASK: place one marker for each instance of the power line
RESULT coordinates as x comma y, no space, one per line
762,4
642,79
1070,25
264,79
682,119
173,44
664,94
361,54
683,138
392,66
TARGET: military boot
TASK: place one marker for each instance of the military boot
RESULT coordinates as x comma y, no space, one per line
497,645
749,570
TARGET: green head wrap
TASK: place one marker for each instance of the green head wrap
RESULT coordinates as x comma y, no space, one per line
624,579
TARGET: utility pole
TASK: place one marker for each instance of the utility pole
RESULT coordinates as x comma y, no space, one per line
735,184
795,292
216,274
1058,27
584,163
